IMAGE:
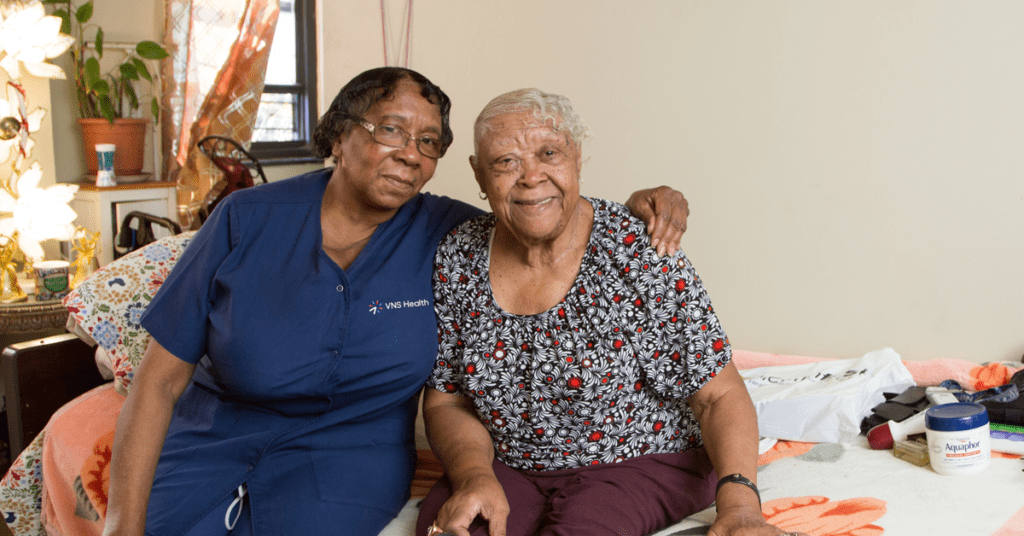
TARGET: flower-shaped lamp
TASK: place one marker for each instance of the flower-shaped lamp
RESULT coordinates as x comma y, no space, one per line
37,214
29,37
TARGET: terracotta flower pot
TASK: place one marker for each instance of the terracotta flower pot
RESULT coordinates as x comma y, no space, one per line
129,135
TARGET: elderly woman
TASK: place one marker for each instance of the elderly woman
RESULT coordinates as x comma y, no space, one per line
583,384
279,393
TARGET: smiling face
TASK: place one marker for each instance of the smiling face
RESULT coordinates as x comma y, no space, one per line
384,178
531,175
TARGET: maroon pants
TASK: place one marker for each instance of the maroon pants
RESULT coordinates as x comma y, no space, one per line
633,498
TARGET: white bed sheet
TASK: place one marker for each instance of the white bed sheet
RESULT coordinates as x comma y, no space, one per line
833,489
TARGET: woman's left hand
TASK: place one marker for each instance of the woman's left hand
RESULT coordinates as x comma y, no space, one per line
665,211
743,521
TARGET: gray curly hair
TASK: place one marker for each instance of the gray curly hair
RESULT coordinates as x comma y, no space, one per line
549,108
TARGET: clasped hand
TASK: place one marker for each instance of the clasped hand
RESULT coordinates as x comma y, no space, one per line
479,495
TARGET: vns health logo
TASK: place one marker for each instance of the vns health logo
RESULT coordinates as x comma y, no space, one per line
377,307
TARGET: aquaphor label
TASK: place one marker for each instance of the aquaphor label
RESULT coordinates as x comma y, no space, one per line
965,448
958,438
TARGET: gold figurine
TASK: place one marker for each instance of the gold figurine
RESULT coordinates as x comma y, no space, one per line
10,291
86,245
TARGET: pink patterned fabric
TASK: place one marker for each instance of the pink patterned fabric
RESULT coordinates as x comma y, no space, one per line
76,463
109,303
21,490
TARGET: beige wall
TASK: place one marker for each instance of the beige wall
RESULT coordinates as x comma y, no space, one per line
854,167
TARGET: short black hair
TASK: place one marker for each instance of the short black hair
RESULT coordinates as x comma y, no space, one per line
359,94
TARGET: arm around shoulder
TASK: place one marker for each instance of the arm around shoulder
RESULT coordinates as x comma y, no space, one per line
665,211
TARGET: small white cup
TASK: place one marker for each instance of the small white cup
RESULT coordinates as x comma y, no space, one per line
105,164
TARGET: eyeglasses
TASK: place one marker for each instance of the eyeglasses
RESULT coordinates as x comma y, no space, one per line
393,136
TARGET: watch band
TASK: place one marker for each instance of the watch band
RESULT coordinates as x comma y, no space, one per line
737,478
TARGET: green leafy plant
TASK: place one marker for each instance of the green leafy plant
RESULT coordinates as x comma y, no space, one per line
110,94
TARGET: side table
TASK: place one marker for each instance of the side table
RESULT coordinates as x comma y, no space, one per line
31,319
103,208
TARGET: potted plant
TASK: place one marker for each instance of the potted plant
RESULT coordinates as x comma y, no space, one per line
108,100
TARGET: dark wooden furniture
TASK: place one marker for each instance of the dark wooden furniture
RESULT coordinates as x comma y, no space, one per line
39,377
31,319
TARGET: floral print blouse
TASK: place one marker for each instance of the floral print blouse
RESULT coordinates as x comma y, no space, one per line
602,376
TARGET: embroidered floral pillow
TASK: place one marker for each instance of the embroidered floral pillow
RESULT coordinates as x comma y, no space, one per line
110,302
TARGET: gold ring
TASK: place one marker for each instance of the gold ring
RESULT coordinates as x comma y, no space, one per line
434,529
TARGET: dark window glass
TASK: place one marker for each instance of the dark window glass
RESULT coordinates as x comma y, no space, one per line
287,113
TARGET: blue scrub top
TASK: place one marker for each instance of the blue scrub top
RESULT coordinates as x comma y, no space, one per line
307,374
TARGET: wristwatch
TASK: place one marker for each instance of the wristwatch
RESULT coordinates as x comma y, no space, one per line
737,478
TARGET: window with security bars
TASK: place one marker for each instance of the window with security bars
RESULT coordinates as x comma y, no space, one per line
287,112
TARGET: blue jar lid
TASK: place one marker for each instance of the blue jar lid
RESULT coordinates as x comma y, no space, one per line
955,417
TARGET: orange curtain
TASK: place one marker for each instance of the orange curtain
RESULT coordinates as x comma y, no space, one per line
212,85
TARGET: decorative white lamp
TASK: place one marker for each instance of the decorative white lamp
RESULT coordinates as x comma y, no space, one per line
28,214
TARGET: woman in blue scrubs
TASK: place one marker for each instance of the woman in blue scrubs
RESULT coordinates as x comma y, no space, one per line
292,338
